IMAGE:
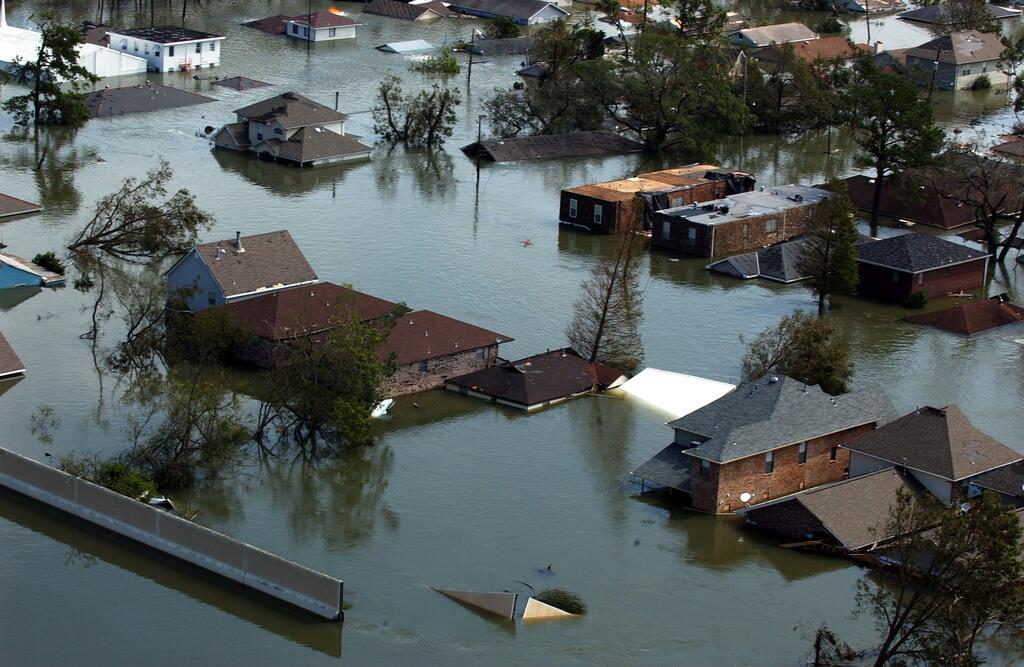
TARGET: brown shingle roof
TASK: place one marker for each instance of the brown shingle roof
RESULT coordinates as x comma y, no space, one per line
972,318
961,48
404,10
823,48
927,209
13,206
324,18
314,143
1008,480
423,334
267,261
590,143
304,309
937,441
10,364
291,110
1013,147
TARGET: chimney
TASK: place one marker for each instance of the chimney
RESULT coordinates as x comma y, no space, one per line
878,48
238,242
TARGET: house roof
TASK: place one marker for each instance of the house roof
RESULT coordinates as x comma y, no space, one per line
775,411
13,206
746,204
267,261
10,364
676,393
593,143
524,9
315,143
916,252
779,262
1007,480
325,18
937,13
291,110
927,208
275,25
937,441
140,98
622,190
1013,146
166,34
670,467
240,83
404,10
972,317
960,48
303,309
823,48
499,47
780,33
423,335
538,379
45,276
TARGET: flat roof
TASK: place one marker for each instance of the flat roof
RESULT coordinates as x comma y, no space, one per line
139,99
748,204
166,34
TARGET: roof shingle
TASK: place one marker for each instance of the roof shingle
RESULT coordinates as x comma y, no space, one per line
423,335
291,110
266,261
10,364
916,252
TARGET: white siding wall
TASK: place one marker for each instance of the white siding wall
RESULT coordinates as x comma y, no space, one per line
193,271
862,464
159,55
341,32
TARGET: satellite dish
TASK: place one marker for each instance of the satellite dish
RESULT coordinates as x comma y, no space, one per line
745,497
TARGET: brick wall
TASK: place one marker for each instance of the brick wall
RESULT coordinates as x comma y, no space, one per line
788,518
610,212
409,379
877,282
720,490
730,238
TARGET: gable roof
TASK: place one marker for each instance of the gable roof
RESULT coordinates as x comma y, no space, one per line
404,10
960,48
325,18
937,13
823,48
937,441
291,110
779,262
315,143
927,208
972,317
916,252
267,261
775,411
591,143
304,309
1007,480
780,33
538,379
45,275
166,34
522,9
14,206
423,335
502,46
10,364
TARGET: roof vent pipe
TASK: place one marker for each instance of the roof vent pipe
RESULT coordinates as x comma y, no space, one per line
238,242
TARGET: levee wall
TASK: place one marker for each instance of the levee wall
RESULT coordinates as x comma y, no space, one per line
240,562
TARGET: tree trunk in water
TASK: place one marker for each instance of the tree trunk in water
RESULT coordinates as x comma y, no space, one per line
184,8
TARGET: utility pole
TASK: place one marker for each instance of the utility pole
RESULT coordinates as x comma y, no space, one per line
336,95
479,126
935,72
309,28
867,14
152,13
469,72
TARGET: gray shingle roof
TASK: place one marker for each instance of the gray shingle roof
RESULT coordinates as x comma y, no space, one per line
937,13
590,143
670,467
523,9
403,10
778,262
291,110
916,252
780,33
961,48
268,260
764,414
314,143
938,441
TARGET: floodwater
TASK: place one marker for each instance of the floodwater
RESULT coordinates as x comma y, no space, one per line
456,493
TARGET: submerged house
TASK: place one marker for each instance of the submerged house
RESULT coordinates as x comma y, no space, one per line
957,60
18,272
779,263
937,14
973,317
169,48
893,268
12,206
829,48
294,129
768,438
738,223
323,26
538,381
523,12
10,364
424,11
766,35
612,206
215,273
925,207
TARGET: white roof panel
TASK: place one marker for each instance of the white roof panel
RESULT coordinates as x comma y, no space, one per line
677,394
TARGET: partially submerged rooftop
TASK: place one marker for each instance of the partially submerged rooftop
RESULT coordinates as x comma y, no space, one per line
11,206
240,83
422,335
10,365
46,277
915,252
972,317
780,263
140,99
291,110
747,204
593,143
928,207
961,48
166,34
780,33
677,394
937,15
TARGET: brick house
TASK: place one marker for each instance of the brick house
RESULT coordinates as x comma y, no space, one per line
892,269
768,438
738,223
430,348
612,206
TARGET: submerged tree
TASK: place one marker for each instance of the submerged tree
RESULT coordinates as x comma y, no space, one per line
54,78
426,119
963,15
803,347
788,94
829,254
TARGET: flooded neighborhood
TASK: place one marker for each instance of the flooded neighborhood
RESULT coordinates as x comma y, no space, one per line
511,332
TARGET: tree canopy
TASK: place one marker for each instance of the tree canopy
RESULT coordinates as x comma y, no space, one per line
804,347
829,254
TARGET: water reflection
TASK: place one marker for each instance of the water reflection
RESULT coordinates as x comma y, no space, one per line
52,168
603,426
285,180
86,545
13,296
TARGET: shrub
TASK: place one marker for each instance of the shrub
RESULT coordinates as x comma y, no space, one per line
122,479
982,83
562,599
444,63
917,301
49,261
502,28
830,26
174,476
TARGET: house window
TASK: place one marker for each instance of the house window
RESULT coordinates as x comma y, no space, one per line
480,353
199,47
573,207
801,455
211,298
832,454
332,32
305,32
746,231
170,51
769,463
967,71
156,52
677,202
771,226
598,214
145,48
278,130
124,44
895,276
424,366
705,467
984,67
295,29
691,236
213,46
135,46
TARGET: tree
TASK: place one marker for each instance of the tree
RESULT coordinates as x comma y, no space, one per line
829,254
502,27
607,314
788,94
426,119
48,103
139,221
805,348
892,125
613,10
963,15
698,21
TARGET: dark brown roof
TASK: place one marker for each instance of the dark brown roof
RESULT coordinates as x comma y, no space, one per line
595,143
10,364
973,317
13,206
275,25
423,334
140,99
538,379
291,110
1008,480
960,48
823,48
937,441
404,10
314,143
928,208
304,309
1013,146
325,18
267,260
240,83
95,33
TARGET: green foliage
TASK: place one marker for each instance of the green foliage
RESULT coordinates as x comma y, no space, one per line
426,119
54,78
49,261
829,255
124,480
982,83
969,15
916,300
697,21
44,423
789,95
830,26
562,599
804,347
502,28
443,63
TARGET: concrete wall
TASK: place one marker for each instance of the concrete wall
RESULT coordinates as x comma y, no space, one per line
240,562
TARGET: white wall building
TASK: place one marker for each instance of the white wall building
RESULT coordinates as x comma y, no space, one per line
169,48
322,26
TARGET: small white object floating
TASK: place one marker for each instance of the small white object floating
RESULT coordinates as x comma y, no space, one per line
382,408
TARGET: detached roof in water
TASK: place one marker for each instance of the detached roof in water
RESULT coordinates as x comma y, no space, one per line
411,46
595,143
676,393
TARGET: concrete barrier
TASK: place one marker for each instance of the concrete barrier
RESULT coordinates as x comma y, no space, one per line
240,562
